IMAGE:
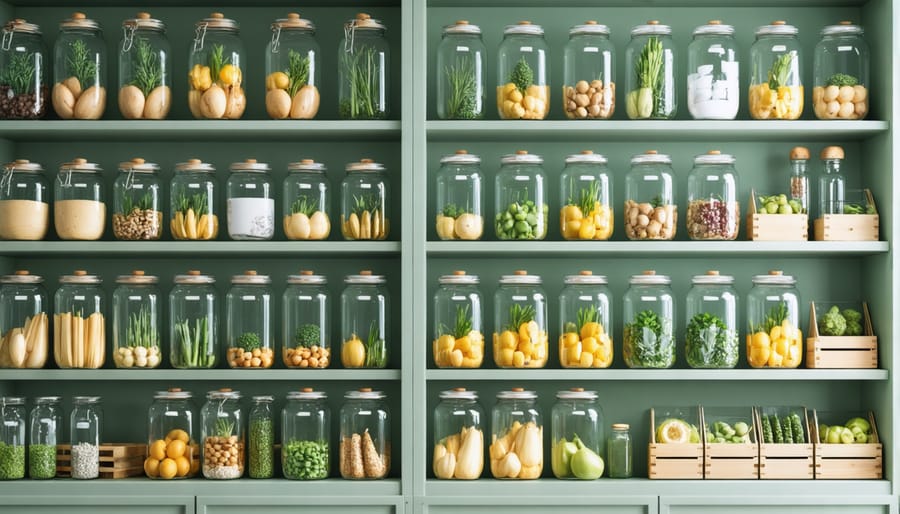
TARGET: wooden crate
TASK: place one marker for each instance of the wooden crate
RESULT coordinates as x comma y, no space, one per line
849,352
673,461
775,227
117,460
785,461
731,461
848,461
847,227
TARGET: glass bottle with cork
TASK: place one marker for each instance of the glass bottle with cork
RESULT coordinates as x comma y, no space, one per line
799,178
831,183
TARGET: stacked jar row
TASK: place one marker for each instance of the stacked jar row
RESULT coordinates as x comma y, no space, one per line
79,322
521,328
841,73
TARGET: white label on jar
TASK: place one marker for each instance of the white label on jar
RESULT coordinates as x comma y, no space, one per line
578,413
78,298
773,298
779,48
586,298
459,298
304,298
522,178
249,186
462,49
648,298
137,186
172,413
47,421
21,186
304,414
716,49
591,49
365,413
192,298
528,49
251,217
710,298
845,49
365,186
519,298
10,423
587,178
248,297
135,298
193,186
461,178
305,186
20,298
650,178
712,178
82,425
364,298
517,413
82,186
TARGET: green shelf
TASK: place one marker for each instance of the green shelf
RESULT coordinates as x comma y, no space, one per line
663,375
217,249
220,375
784,249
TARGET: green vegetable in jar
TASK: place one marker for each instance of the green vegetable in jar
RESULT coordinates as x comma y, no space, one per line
648,342
12,461
41,461
709,343
522,220
307,335
261,448
248,341
305,460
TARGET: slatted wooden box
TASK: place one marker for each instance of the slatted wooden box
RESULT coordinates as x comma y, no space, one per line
847,227
847,352
862,461
785,461
675,460
117,460
775,227
730,460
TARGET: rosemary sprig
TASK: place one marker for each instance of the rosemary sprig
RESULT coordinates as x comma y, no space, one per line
519,315
19,73
147,68
370,202
587,197
361,72
217,60
298,72
80,63
304,205
461,100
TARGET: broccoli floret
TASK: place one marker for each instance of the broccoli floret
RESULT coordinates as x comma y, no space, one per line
248,341
854,328
307,335
852,315
841,80
832,323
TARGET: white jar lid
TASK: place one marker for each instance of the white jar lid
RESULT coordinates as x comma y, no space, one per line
194,165
364,393
589,27
844,28
365,165
250,277
250,165
364,277
307,165
587,157
521,157
194,277
307,277
586,277
516,393
777,28
652,27
714,27
20,165
137,277
712,277
649,277
173,393
462,27
774,277
138,165
524,27
520,277
714,157
576,393
21,277
461,157
79,277
458,277
307,393
651,157
459,393
224,394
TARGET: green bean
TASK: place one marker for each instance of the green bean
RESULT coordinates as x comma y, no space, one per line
305,460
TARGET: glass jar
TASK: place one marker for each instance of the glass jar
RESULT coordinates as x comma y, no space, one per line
305,432
365,435
172,450
261,438
365,321
136,321
776,89
521,198
137,202
365,196
841,73
711,336
223,435
458,436
649,314
576,428
714,212
79,69
650,209
520,310
79,322
585,311
458,322
460,197
831,182
619,451
45,433
585,191
307,321
713,88
193,200
651,86
307,201
86,424
24,206
461,72
523,73
799,178
293,70
251,202
215,78
79,206
193,321
774,338
364,70
145,69
23,89
517,435
12,438
23,321
248,309
589,67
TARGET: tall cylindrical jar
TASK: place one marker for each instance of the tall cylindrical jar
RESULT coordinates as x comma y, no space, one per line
713,209
585,191
306,201
79,206
137,330
192,193
365,200
841,73
12,437
306,320
215,76
193,321
520,322
458,322
172,450
364,70
585,311
458,436
831,181
222,432
711,334
305,432
293,70
86,426
261,438
774,338
137,202
248,311
521,198
145,69
776,87
365,321
79,69
24,201
460,197
713,87
650,208
461,72
577,437
523,73
250,201
649,315
45,427
23,86
651,83
79,322
24,321
799,179
619,451
365,451
517,435
589,68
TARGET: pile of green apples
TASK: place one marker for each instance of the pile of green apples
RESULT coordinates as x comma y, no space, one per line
854,431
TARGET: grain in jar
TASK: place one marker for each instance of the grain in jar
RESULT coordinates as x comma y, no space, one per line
79,207
24,206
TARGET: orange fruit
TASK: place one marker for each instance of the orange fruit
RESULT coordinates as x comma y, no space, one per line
151,467
177,433
167,469
158,449
183,465
175,449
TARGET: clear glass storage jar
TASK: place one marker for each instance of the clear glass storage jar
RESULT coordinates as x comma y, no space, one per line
799,180
79,69
649,315
193,321
458,322
79,322
137,202
364,70
841,73
713,212
293,69
222,432
776,88
831,181
589,68
45,432
650,209
619,451
585,191
461,72
365,198
460,197
24,321
305,432
585,311
520,195
307,201
307,321
251,202
365,321
248,311
12,438
192,194
79,206
172,449
651,85
520,322
713,87
215,76
577,439
86,428
365,450
23,88
24,202
458,436
523,73
711,333
261,438
137,329
145,69
517,435
774,338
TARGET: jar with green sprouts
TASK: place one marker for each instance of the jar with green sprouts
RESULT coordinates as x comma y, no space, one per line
136,322
223,435
145,69
363,70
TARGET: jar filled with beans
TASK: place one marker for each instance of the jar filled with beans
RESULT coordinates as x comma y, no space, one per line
650,210
713,209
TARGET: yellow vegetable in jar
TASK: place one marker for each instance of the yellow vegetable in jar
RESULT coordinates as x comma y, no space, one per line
353,353
278,80
200,78
230,75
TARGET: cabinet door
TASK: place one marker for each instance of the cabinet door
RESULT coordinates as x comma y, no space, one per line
288,505
34,504
598,506
796,505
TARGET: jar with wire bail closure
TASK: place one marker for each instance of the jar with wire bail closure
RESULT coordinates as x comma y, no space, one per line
364,70
458,322
79,207
589,87
137,202
192,193
215,76
713,87
586,196
651,85
137,332
293,69
24,321
460,197
251,202
248,334
458,436
307,321
523,73
585,311
365,199
145,69
307,201
713,209
79,69
24,92
79,322
461,71
24,202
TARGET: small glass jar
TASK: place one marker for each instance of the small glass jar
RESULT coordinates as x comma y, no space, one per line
137,202
223,435
365,198
365,321
652,91
365,451
713,88
307,321
261,438
520,322
585,191
305,432
12,437
458,436
137,328
841,73
172,450
193,321
799,178
458,322
521,201
24,202
649,314
578,442
251,202
24,321
79,206
831,181
711,336
248,311
193,199
589,68
364,70
215,76
774,338
619,451
145,69
460,197
714,212
23,94
293,70
517,435
79,69
45,432
585,311
523,73
79,322
776,88
650,209
461,72
86,426
307,201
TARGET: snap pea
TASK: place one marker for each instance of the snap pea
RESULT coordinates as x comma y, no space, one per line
520,221
305,460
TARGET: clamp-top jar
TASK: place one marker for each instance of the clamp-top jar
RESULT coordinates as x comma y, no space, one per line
458,322
24,308
711,336
172,450
517,435
520,322
145,69
774,338
251,202
364,70
460,197
248,306
365,451
458,436
365,321
776,89
45,424
223,435
585,311
193,200
523,73
585,192
841,73
576,428
589,87
215,76
713,89
12,437
305,431
85,434
79,69
136,321
23,94
137,202
365,198
79,321
307,321
521,198
649,312
307,201
293,69
461,72
713,209
79,207
650,209
24,202
651,86
193,321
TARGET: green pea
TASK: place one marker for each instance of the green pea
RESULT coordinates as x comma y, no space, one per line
42,461
305,460
12,461
520,216
522,226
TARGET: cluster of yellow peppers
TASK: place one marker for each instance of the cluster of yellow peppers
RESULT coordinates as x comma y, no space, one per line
526,348
591,348
783,103
459,352
596,225
781,347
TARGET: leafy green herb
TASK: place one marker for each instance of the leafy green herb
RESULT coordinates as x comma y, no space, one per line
656,201
297,72
587,197
141,203
451,210
709,343
248,341
217,61
648,342
522,75
648,100
463,323
463,91
367,202
148,70
307,335
224,427
362,72
586,315
19,73
519,315
376,351
80,63
197,202
841,80
141,330
776,316
780,69
855,208
305,205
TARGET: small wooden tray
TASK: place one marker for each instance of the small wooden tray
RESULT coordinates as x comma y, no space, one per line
848,352
673,461
847,227
848,461
117,460
728,460
775,227
785,461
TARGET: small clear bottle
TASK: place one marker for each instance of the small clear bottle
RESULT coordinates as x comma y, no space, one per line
458,322
619,451
364,70
576,425
714,212
589,67
365,451
520,322
516,454
307,321
522,205
293,69
831,182
194,215
79,69
799,178
45,433
307,201
523,73
458,436
650,209
79,206
776,88
80,322
145,69
222,432
86,426
193,321
251,202
585,311
137,330
248,311
585,191
648,339
713,87
24,320
171,429
23,95
215,75
460,197
12,437
365,200
841,73
305,432
24,202
261,438
365,321
774,338
137,202
461,72
711,336
651,96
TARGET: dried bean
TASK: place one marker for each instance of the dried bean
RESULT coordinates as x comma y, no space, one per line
644,221
305,460
713,219
594,100
138,225
12,461
85,461
42,461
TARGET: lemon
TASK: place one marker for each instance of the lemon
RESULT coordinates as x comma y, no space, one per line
673,431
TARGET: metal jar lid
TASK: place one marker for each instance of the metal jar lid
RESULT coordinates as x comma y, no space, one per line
79,277
194,277
777,28
576,393
586,157
524,28
585,277
293,22
307,393
462,27
307,165
20,25
589,27
79,20
194,165
649,277
143,21
40,400
137,277
82,400
652,27
364,393
458,393
714,28
81,165
251,277
712,277
520,277
365,165
173,393
218,21
363,21
11,400
458,277
138,165
775,277
308,278
516,393
263,398
250,165
714,157
364,277
461,157
23,165
651,157
844,28
224,394
21,277
521,157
